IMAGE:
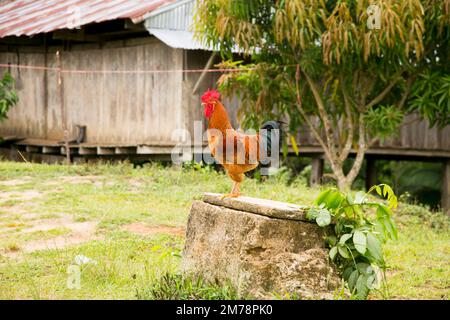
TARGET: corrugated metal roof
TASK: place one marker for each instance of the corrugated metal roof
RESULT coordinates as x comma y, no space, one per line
174,16
179,39
29,17
172,24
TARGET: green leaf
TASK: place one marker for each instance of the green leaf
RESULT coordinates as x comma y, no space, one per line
312,213
333,252
333,200
344,238
378,189
392,229
352,280
343,251
322,196
374,247
371,281
331,240
349,211
323,218
338,228
347,272
362,267
388,225
360,242
383,211
380,230
361,287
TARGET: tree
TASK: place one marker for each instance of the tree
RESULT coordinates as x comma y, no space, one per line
8,96
321,63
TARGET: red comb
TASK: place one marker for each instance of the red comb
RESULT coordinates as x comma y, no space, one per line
210,95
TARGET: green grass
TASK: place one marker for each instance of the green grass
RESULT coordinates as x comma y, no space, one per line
123,265
132,265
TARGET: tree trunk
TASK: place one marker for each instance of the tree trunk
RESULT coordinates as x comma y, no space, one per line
335,155
344,184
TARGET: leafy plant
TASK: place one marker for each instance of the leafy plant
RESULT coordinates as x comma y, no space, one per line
361,226
8,96
431,97
384,120
179,287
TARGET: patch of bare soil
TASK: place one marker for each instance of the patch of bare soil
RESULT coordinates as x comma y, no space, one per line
14,203
135,182
15,182
143,229
20,195
74,180
54,223
80,232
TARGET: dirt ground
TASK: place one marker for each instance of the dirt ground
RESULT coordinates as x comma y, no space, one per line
75,232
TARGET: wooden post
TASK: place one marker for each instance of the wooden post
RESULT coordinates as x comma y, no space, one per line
445,196
63,109
316,171
371,173
203,74
45,85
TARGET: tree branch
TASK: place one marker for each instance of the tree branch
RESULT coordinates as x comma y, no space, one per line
329,148
348,143
406,92
305,116
386,90
361,150
325,119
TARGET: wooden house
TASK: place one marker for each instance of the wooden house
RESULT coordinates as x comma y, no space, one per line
98,64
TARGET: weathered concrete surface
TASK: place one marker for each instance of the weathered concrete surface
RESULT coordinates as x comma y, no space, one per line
270,208
262,247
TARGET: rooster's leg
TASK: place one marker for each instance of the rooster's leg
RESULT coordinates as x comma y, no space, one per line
234,192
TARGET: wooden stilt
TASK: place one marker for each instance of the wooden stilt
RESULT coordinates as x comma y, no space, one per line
316,171
371,173
445,196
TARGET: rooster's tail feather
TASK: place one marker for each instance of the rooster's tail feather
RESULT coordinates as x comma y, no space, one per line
271,137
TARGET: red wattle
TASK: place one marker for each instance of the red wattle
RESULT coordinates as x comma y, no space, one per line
209,110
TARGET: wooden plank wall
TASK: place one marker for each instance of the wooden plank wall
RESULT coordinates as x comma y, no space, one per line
28,118
126,109
415,135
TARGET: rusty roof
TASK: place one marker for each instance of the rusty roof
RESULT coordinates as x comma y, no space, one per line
29,17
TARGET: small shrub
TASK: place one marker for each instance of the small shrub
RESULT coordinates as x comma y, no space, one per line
435,220
8,96
179,287
361,226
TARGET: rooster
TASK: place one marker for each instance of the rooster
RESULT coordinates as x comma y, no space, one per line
235,151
